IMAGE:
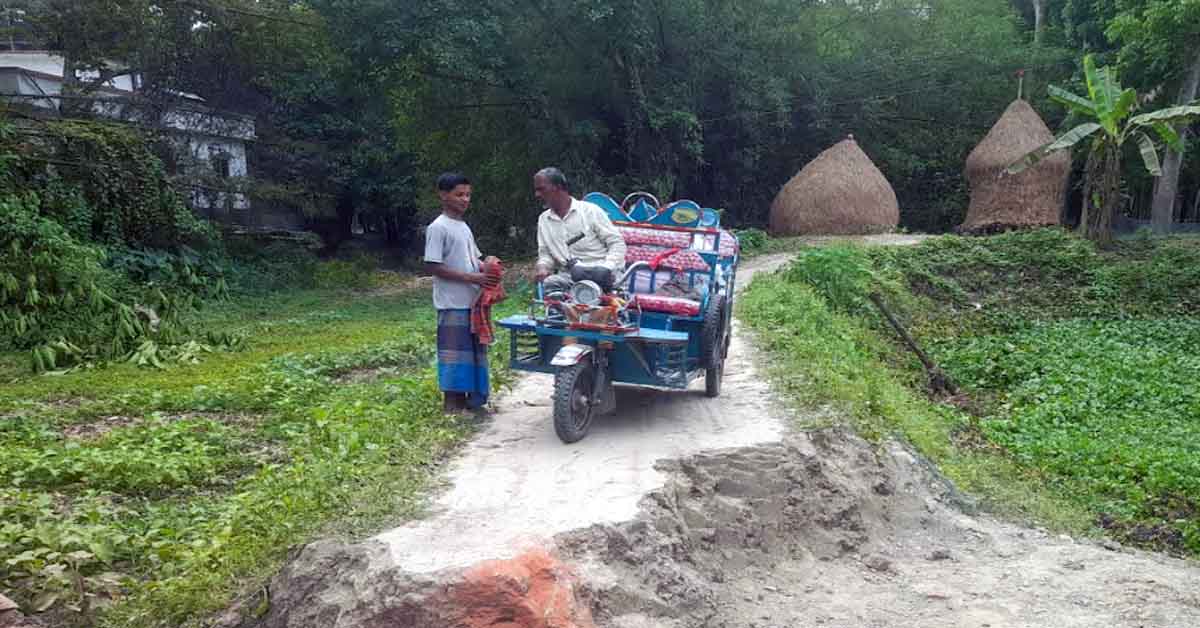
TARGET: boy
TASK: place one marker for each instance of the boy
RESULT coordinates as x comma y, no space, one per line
452,257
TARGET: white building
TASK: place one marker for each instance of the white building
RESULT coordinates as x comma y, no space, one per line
210,144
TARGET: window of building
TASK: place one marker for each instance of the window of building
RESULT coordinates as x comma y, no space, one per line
221,163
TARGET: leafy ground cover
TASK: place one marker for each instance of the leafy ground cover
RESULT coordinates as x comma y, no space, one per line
134,496
1081,408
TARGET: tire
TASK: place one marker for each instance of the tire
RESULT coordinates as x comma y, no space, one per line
573,410
713,343
728,329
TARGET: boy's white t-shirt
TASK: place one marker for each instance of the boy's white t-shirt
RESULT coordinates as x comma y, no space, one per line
450,242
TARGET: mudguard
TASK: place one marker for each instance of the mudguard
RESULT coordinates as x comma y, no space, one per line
570,355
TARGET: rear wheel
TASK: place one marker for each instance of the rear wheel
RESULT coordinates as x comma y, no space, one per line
573,401
728,327
714,342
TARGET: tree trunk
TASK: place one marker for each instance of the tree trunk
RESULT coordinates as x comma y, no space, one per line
1101,194
1039,20
1166,188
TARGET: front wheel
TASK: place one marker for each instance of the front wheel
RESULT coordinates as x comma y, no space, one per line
573,401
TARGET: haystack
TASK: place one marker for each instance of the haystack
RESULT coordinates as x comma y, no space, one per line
839,193
1033,198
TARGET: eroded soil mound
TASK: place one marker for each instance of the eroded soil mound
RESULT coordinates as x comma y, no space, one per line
828,530
821,530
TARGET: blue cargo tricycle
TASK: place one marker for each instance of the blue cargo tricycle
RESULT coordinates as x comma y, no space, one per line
664,322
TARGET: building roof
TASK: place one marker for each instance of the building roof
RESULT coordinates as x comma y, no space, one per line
42,71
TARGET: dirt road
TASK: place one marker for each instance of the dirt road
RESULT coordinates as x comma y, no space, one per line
517,485
681,511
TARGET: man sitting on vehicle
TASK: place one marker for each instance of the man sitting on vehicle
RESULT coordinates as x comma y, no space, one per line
576,239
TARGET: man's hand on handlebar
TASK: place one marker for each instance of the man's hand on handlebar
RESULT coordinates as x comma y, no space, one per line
541,273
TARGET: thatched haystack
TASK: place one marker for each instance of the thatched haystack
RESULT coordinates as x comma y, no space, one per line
1033,198
841,192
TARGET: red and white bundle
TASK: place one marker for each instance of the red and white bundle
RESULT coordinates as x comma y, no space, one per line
680,260
656,237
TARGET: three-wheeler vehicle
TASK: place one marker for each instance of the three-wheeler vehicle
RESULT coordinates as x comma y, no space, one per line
663,323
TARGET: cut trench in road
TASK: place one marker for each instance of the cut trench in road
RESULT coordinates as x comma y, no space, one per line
682,511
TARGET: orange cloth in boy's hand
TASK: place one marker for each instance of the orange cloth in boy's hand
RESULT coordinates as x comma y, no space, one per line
489,295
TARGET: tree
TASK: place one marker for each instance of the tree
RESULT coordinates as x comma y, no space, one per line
1111,124
102,40
1042,16
1162,38
359,103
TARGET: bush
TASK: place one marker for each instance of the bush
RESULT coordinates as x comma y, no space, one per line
103,182
844,275
752,240
68,302
357,273
78,279
187,272
48,280
255,268
1080,362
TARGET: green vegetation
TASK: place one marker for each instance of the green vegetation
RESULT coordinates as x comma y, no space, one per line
150,497
1108,109
97,263
203,402
753,241
359,105
1077,366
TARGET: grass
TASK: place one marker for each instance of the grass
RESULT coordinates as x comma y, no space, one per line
821,357
139,497
1081,410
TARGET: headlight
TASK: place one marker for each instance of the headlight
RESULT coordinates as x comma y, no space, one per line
586,292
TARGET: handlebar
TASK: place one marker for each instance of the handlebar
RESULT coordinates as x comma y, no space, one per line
629,271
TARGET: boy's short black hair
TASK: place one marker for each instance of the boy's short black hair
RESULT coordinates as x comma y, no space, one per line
450,180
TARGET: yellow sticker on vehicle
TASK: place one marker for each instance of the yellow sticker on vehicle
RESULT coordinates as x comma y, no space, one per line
684,215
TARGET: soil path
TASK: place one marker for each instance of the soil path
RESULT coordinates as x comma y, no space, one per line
517,485
687,512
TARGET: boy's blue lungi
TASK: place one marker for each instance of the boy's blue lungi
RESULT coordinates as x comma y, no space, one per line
462,361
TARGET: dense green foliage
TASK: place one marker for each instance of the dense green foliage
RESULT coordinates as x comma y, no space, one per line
166,492
838,366
77,281
102,182
1078,362
1110,404
717,101
100,258
360,104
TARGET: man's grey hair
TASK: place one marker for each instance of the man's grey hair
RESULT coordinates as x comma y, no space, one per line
555,177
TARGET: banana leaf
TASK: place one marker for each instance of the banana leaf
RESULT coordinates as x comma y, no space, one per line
1149,154
1067,140
1075,103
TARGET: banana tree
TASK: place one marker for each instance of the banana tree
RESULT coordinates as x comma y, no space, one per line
1111,123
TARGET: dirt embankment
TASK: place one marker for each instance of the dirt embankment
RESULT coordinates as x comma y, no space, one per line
685,512
820,530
